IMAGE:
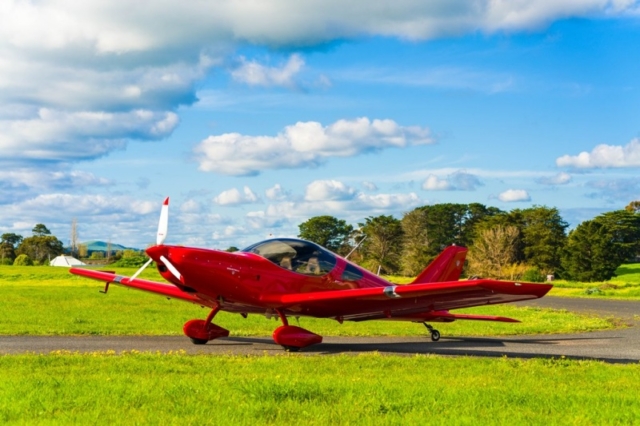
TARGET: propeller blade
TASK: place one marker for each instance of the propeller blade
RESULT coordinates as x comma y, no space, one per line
163,225
139,271
172,268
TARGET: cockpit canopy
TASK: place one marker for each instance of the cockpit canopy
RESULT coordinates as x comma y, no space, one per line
295,255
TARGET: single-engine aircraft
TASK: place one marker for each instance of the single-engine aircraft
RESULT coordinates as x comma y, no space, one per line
289,277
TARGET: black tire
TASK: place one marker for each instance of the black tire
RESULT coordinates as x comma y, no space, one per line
291,348
198,341
435,335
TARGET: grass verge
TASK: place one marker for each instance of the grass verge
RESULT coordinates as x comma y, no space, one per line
142,388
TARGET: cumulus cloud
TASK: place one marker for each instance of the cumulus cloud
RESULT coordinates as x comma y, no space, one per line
513,195
255,74
458,181
328,190
304,144
232,197
276,193
561,178
77,61
604,156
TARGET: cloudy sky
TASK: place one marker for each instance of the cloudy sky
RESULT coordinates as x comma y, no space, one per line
255,116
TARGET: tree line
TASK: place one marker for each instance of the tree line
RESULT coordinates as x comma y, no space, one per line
526,244
37,249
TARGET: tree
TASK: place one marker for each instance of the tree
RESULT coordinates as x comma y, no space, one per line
543,237
633,207
41,246
382,248
74,237
328,232
415,242
8,244
596,248
493,251
40,230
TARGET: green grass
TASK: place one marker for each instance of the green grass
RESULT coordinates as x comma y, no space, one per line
626,285
50,301
289,389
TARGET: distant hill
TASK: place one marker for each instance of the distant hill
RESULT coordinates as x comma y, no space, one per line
102,246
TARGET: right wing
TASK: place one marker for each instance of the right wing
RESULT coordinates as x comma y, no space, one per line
168,290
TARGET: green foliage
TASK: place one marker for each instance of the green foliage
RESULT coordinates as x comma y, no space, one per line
596,248
42,246
383,245
6,261
131,259
40,230
97,255
23,260
327,231
533,275
166,389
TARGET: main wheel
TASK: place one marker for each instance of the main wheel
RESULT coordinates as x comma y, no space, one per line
198,341
435,335
291,348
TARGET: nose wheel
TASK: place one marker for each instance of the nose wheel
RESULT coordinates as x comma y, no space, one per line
435,334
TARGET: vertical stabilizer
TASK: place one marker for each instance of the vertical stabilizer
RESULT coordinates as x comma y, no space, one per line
446,267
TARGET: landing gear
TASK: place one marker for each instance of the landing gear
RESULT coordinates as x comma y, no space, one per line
435,334
293,338
201,331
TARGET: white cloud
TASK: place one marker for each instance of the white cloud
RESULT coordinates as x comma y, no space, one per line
604,156
255,74
432,183
561,178
84,62
370,186
328,190
459,181
232,197
276,193
304,144
513,195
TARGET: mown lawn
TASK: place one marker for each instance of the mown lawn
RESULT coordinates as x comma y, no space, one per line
50,301
288,389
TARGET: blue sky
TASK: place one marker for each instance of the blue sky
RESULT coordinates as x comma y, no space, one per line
256,118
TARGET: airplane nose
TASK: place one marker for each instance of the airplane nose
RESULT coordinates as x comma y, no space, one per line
155,252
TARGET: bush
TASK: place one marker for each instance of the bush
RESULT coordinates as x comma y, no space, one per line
6,261
23,260
533,275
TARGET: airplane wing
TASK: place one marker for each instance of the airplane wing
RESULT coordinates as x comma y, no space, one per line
410,301
139,284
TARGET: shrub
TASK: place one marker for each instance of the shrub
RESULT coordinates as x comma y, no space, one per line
23,260
533,275
6,261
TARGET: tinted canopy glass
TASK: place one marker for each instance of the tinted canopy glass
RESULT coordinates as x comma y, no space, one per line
295,255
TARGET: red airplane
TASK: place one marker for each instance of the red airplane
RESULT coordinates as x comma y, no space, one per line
291,277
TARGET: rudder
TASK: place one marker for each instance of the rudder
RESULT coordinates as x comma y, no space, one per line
446,267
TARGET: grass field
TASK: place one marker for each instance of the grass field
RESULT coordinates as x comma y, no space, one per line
365,389
50,301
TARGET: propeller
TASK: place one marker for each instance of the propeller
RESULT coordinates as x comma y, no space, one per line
163,225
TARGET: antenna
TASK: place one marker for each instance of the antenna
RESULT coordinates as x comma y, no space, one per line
356,247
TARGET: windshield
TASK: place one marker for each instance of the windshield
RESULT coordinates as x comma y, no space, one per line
295,255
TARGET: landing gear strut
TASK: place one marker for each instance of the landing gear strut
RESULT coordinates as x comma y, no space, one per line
293,338
201,331
435,334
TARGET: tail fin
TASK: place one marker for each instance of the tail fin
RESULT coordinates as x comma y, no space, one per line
446,267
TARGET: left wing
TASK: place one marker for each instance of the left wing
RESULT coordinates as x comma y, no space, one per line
410,300
168,290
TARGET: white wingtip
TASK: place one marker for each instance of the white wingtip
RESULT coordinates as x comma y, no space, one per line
163,224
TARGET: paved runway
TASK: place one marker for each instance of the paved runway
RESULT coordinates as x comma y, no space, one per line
620,346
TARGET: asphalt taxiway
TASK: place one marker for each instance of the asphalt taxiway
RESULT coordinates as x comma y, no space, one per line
619,346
